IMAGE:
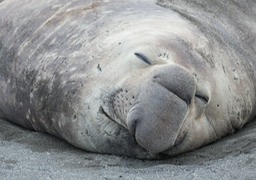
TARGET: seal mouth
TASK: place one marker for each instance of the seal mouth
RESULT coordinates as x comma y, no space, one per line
178,145
107,115
104,113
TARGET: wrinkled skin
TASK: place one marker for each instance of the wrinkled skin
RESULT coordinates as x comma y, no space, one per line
132,78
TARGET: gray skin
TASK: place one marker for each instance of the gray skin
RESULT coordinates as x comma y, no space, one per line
135,78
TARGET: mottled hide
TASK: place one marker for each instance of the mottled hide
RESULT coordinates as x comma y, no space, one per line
138,78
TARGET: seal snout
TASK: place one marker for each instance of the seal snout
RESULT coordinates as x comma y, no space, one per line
161,108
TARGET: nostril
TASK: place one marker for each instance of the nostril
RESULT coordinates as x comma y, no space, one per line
201,101
177,80
203,98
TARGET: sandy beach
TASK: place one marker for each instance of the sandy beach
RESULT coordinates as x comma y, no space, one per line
31,155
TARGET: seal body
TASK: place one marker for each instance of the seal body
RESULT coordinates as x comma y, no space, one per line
134,78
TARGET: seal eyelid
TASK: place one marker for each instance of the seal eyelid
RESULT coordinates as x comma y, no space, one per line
143,58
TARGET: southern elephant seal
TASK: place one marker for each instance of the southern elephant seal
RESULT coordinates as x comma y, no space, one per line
135,78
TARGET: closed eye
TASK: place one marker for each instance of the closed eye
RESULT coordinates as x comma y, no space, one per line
142,57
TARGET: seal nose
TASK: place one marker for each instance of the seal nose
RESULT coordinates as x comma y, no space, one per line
161,108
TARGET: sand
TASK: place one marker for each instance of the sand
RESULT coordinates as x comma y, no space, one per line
32,155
